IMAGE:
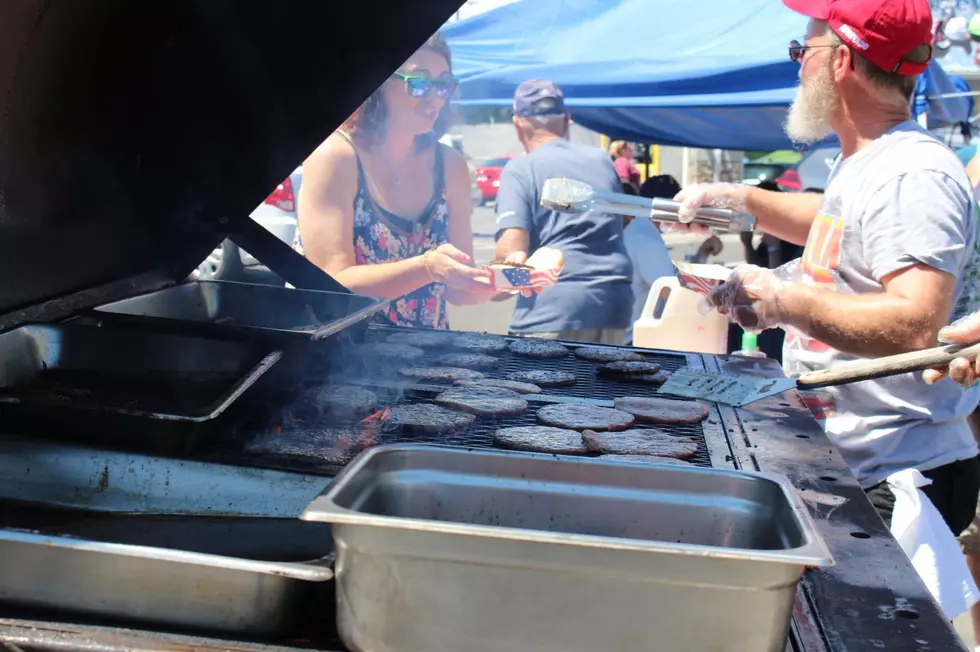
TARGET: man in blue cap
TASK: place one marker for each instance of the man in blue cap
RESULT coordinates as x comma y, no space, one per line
593,299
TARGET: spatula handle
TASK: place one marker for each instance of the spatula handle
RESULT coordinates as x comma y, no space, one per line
892,365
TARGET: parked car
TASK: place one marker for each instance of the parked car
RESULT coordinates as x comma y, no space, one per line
488,177
811,173
755,173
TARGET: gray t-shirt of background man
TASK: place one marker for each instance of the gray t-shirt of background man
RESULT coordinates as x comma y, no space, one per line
594,289
903,200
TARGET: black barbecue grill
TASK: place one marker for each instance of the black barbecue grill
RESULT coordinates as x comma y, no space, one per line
135,137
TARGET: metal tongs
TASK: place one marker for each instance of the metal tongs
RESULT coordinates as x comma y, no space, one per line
576,197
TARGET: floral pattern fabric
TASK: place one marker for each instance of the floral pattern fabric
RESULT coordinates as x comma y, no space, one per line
382,237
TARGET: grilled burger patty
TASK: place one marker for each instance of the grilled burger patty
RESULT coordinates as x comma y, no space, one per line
331,445
391,350
541,439
581,417
605,354
627,368
344,399
423,339
440,374
536,348
483,401
428,418
480,343
658,378
544,377
647,459
640,442
663,410
468,360
513,385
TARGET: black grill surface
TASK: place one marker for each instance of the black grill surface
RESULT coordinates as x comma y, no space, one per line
381,376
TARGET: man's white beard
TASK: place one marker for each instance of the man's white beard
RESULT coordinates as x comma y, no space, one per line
809,115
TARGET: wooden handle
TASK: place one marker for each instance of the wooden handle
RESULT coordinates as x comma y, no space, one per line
892,365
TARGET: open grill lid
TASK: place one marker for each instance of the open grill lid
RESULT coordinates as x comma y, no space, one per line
136,135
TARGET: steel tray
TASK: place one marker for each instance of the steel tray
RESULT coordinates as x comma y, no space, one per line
255,310
152,540
157,392
520,551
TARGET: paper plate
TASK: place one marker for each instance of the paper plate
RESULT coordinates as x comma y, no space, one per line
542,270
701,278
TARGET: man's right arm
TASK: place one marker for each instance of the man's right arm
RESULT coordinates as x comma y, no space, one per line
788,216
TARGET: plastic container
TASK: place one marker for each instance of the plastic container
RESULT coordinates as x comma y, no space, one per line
750,346
671,320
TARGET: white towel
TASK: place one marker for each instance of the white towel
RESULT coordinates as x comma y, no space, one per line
929,543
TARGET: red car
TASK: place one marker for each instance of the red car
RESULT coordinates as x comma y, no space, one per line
488,177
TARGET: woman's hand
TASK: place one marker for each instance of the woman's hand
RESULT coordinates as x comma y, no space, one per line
447,264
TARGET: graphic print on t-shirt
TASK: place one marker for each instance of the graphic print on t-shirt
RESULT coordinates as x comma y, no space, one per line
820,262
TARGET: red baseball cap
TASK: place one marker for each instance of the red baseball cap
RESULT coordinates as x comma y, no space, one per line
882,30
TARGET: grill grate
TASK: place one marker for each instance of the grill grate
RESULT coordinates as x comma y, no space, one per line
381,376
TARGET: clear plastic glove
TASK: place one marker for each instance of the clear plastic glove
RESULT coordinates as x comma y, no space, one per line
715,195
963,371
750,298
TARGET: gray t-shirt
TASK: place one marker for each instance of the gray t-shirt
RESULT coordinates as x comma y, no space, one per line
594,288
903,200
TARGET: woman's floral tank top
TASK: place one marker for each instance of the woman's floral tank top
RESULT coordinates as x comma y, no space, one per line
383,237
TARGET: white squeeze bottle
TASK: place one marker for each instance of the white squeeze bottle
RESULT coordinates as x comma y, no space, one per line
750,346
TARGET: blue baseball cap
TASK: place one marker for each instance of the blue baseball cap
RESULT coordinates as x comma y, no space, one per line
538,97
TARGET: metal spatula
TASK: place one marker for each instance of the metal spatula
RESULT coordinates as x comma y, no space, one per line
742,389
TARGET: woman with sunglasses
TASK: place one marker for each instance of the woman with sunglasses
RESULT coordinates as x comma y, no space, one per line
385,208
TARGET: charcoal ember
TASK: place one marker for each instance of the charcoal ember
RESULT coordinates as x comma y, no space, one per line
530,347
468,361
637,441
440,374
651,409
513,385
575,416
480,343
607,354
541,439
483,401
544,377
426,417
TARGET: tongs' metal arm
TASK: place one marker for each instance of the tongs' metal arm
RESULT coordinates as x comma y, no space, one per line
665,210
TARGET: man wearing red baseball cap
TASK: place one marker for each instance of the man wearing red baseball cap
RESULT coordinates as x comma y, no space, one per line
891,252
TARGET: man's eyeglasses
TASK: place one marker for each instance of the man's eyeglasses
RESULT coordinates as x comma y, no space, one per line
419,86
797,50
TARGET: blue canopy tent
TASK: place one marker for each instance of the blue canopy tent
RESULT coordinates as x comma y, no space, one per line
711,74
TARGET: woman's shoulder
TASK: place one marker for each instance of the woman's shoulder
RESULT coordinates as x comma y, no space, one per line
453,163
336,154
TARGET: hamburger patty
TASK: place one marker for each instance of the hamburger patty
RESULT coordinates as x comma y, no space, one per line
581,417
541,439
391,350
646,459
483,401
537,348
606,354
512,385
646,441
440,374
468,360
344,399
627,368
423,339
480,343
544,377
427,418
663,410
